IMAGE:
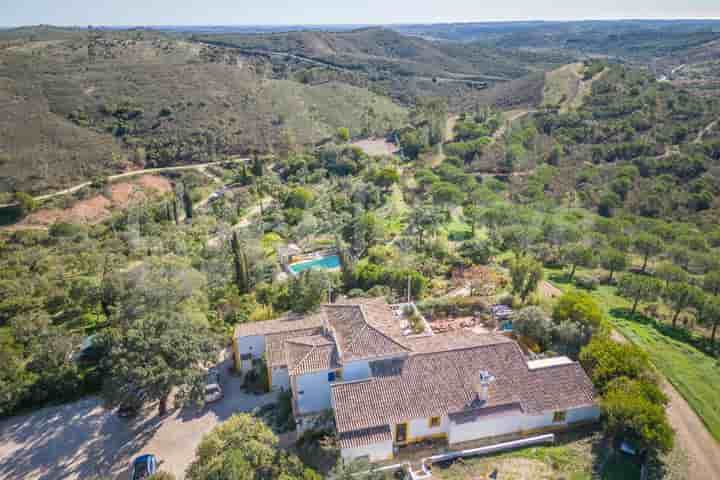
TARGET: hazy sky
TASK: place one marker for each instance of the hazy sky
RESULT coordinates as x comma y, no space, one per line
284,12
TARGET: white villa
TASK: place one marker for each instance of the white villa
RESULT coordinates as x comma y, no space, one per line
389,388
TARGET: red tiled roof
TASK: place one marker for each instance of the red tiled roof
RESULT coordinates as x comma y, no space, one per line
356,336
284,324
370,436
455,340
310,354
275,349
443,382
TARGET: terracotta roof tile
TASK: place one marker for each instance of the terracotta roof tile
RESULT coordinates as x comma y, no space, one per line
370,436
455,340
444,382
310,354
356,336
284,324
275,349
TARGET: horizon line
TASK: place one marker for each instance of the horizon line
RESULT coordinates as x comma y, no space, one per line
386,24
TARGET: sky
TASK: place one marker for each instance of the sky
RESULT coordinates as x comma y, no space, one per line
317,12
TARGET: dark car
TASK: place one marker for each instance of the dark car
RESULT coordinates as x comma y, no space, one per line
143,467
128,410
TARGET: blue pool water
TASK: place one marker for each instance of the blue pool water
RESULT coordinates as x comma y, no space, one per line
333,261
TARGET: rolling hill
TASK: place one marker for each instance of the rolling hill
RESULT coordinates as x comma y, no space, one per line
107,101
399,63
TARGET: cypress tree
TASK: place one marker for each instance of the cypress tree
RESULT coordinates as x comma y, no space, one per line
257,168
187,202
242,274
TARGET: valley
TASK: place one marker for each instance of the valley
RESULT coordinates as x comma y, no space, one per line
546,189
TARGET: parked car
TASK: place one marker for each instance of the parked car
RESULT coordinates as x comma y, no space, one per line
213,393
144,466
213,390
128,410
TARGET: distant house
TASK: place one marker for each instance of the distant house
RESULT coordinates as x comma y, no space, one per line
388,388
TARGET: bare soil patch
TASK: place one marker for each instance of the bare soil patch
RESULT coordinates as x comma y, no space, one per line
376,146
92,210
99,207
154,182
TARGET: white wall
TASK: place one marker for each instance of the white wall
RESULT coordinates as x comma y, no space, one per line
420,427
516,422
375,452
254,345
486,427
315,390
357,370
280,379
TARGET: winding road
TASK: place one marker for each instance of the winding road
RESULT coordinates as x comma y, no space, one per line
705,131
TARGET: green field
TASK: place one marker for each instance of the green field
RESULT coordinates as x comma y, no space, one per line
694,374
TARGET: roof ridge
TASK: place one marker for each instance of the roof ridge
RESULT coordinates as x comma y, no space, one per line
300,362
357,334
369,325
461,348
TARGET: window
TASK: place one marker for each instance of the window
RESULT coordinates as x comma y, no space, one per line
401,430
335,376
331,376
434,422
559,416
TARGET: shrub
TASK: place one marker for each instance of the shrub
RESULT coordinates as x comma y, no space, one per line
533,323
356,292
453,307
578,307
161,475
416,323
506,299
586,282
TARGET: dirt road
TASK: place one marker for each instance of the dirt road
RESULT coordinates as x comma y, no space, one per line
216,240
691,435
80,186
510,116
705,131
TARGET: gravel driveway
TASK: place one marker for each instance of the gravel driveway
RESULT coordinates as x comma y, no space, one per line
81,440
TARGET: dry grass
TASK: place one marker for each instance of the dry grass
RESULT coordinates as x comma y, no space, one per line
203,94
562,86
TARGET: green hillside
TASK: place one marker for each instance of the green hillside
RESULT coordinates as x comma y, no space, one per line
100,103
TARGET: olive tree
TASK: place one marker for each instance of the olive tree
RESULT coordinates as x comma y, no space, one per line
638,288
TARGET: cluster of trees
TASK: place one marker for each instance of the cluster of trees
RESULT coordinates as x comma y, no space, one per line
244,447
427,129
575,320
651,134
632,402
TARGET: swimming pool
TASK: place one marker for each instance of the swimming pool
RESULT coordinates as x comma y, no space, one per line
329,263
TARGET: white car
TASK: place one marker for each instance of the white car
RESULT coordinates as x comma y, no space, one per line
213,393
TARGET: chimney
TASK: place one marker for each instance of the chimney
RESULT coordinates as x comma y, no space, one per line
483,386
